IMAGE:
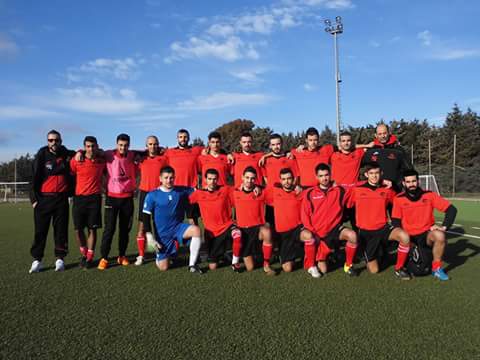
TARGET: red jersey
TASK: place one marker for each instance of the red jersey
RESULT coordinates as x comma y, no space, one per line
242,161
307,161
219,163
322,210
150,172
371,205
184,161
89,174
286,207
215,208
271,172
346,167
417,215
249,208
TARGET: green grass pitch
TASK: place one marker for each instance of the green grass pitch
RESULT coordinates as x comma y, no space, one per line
138,312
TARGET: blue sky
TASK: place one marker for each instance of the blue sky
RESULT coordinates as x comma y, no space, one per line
153,66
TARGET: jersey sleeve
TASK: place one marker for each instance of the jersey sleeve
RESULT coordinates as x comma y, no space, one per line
440,203
350,199
327,151
73,166
197,150
193,198
149,204
306,212
397,209
391,196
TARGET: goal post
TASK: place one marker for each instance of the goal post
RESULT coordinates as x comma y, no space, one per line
428,182
14,191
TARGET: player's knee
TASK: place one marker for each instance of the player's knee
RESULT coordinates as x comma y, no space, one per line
162,265
195,231
306,235
439,237
287,267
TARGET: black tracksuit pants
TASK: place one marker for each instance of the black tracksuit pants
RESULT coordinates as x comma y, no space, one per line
51,209
121,208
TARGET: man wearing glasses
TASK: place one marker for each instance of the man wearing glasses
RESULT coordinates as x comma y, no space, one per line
49,198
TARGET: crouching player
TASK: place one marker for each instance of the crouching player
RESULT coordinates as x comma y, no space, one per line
250,212
371,201
216,204
413,211
167,206
322,214
286,206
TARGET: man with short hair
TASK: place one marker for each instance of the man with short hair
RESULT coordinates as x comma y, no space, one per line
87,202
167,207
244,158
322,214
371,200
287,206
308,159
215,159
250,212
121,185
216,204
413,210
49,197
149,166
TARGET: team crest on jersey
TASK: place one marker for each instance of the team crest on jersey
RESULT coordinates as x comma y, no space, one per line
391,156
49,165
383,193
170,197
318,197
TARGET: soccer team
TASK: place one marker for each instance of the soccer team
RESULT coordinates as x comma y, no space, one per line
296,201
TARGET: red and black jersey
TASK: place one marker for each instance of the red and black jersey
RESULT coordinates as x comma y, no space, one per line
219,163
286,207
89,175
322,210
215,208
184,161
271,172
242,161
308,160
417,215
150,172
346,167
249,208
371,203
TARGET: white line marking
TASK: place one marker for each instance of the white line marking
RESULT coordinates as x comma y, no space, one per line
457,224
476,228
460,234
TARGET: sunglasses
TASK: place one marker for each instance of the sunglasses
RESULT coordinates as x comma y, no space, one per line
53,140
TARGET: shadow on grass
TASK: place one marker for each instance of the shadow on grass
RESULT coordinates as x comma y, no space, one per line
455,256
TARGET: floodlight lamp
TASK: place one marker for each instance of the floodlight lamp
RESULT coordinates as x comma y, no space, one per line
338,19
328,22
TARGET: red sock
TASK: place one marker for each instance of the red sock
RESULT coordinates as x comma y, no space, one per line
322,251
402,253
90,254
141,245
350,250
267,253
310,250
436,265
83,251
237,242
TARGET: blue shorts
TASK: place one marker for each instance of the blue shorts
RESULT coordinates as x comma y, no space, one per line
168,241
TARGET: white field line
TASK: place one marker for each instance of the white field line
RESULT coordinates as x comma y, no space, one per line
476,228
460,234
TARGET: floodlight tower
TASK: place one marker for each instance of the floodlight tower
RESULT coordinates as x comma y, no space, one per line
336,29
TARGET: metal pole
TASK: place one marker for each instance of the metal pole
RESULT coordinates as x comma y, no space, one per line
454,160
15,180
337,86
429,157
411,154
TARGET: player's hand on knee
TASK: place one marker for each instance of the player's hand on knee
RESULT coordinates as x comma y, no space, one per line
439,228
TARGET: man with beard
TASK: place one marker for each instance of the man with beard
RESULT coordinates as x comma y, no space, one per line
215,159
244,158
413,210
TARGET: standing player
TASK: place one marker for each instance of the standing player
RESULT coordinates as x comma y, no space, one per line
215,159
250,212
245,158
308,159
87,202
287,205
121,184
149,168
49,198
183,158
216,204
413,211
371,201
167,207
322,214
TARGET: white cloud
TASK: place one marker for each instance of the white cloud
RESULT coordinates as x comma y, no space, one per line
25,112
455,54
223,100
330,4
7,46
122,69
251,76
309,87
221,30
374,44
425,37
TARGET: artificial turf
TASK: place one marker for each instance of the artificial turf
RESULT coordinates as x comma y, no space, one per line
138,312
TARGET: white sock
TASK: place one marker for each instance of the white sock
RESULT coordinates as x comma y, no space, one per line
195,244
235,259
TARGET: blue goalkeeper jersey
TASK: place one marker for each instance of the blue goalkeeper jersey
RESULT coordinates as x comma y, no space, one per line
167,208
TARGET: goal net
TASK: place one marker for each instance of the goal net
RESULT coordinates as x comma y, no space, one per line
14,191
428,182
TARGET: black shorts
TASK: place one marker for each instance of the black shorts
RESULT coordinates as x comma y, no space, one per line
87,211
270,216
289,244
141,200
250,240
420,239
332,239
371,240
192,211
217,245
